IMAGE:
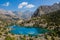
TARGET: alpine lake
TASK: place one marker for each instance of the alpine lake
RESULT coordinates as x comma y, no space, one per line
22,30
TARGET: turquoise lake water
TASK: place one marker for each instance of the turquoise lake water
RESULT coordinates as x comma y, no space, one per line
27,30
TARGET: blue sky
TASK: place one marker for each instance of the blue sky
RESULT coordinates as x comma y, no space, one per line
21,5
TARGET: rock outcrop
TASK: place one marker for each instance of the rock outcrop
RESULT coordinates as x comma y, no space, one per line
46,9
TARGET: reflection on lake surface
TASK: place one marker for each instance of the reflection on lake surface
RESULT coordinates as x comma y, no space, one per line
27,30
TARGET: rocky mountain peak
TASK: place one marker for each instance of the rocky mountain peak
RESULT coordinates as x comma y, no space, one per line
46,9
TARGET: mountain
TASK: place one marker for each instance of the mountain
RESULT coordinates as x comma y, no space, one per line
45,9
27,14
16,14
7,18
47,17
6,12
7,15
23,15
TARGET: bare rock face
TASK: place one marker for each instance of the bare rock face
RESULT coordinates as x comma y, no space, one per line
46,9
6,12
7,15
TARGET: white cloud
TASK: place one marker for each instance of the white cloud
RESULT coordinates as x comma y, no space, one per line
30,6
57,2
6,4
25,5
22,4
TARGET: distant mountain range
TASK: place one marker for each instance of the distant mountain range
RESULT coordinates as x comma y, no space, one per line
23,15
15,14
46,9
27,14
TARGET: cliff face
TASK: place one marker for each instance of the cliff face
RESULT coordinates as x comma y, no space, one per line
46,9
